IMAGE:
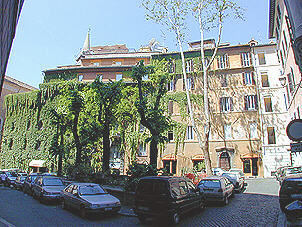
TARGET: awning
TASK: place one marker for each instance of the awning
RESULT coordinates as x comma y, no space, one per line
249,155
37,163
198,157
169,157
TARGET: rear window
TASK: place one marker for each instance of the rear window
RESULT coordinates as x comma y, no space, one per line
209,184
153,187
292,186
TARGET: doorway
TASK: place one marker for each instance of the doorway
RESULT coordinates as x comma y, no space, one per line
255,166
224,161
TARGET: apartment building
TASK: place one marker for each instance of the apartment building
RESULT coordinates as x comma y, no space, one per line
287,36
273,106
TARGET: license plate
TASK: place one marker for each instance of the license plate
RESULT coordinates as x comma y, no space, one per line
108,208
296,196
143,208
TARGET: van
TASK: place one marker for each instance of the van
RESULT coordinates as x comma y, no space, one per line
166,198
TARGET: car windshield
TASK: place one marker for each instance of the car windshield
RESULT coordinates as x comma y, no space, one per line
52,182
293,171
152,187
91,190
209,183
231,175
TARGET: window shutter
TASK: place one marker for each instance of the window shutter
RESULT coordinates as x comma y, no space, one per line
220,104
253,78
192,83
231,104
256,102
227,61
243,78
251,60
245,102
242,61
218,65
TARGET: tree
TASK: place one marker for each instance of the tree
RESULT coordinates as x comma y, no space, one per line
148,105
108,95
173,14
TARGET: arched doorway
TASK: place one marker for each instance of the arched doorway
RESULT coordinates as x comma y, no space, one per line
224,161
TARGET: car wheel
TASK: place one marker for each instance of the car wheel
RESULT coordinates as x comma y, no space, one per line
142,219
83,212
175,218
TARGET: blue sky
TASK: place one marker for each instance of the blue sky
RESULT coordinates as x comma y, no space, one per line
52,32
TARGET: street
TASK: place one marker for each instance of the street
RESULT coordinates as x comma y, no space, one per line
257,206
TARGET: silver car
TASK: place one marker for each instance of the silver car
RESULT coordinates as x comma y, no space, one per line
216,189
47,188
89,198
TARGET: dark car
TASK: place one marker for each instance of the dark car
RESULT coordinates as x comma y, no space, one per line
216,189
27,185
89,198
10,178
166,198
47,188
290,190
20,181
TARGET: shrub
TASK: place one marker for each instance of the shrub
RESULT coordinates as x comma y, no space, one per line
82,172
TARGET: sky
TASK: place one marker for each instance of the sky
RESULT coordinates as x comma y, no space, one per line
51,33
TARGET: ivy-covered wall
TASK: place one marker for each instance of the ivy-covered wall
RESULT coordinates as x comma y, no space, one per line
28,133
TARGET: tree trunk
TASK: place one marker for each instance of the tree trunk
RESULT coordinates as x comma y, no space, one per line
60,158
106,146
76,139
153,152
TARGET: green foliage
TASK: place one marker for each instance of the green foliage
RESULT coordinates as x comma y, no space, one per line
57,77
137,171
78,172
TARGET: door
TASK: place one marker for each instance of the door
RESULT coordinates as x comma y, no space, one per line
255,166
224,161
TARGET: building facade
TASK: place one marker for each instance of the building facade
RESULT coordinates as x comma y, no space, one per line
282,29
274,116
11,86
9,15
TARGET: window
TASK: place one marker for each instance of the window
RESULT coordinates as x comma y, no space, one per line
190,133
227,131
268,104
190,84
117,63
246,59
223,61
223,80
142,150
96,63
118,77
250,102
226,104
248,78
100,76
271,135
170,107
264,79
261,57
285,40
170,166
189,66
80,77
253,130
171,66
171,85
183,188
291,83
170,136
247,166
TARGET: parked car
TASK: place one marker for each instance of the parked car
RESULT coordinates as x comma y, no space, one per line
288,171
166,198
290,190
20,181
236,179
27,185
47,188
216,189
89,198
218,171
239,171
10,178
2,177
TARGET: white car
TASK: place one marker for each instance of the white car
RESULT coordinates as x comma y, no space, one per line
218,171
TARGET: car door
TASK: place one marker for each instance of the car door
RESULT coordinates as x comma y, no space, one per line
228,187
185,196
194,196
67,195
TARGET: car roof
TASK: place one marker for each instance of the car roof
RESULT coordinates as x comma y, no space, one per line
213,178
166,178
294,177
83,184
